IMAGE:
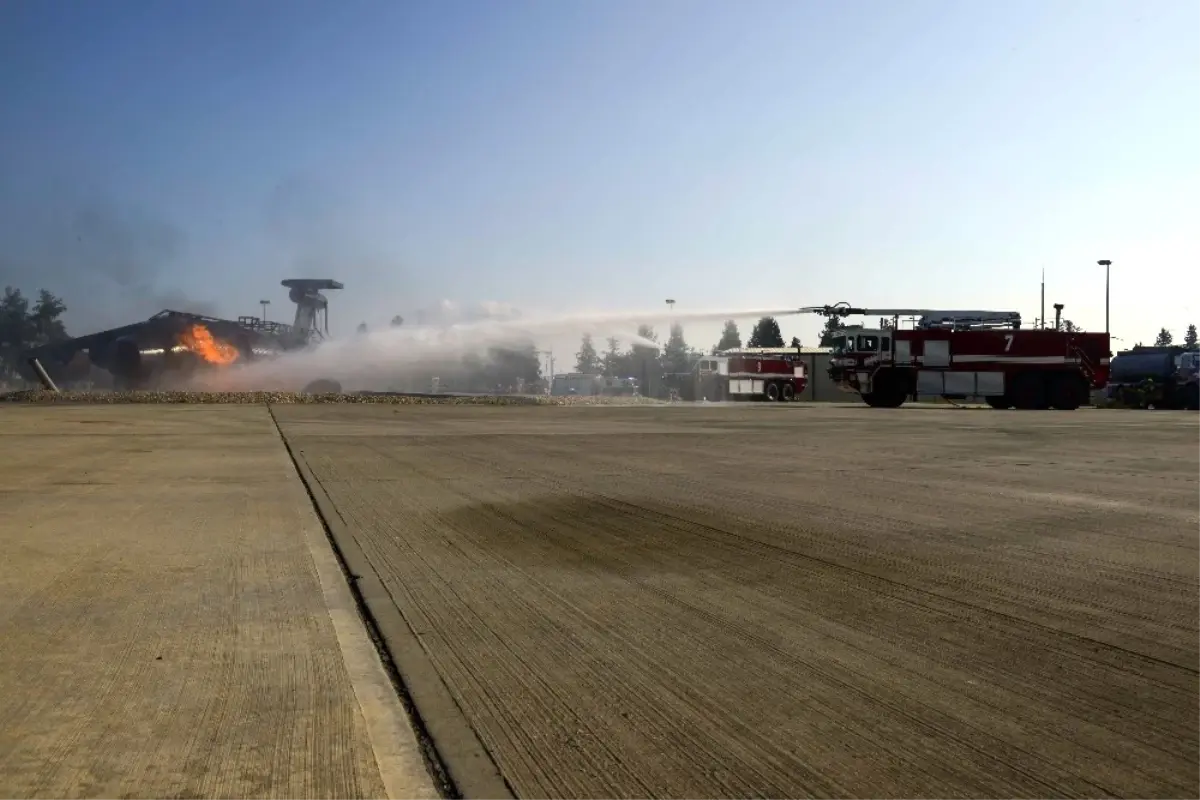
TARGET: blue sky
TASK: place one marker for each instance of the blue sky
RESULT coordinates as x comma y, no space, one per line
579,154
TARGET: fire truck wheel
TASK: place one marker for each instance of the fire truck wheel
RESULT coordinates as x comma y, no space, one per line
890,391
1029,392
789,393
771,390
1067,392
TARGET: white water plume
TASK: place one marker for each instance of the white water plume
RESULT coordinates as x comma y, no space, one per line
377,359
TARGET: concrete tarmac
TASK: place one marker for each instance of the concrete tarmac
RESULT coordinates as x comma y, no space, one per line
681,601
173,621
783,601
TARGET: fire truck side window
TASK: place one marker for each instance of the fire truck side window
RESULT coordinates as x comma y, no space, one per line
868,344
885,344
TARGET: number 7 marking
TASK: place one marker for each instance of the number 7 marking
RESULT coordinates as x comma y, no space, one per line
1008,337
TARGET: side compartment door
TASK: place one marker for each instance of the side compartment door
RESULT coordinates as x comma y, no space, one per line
903,351
937,353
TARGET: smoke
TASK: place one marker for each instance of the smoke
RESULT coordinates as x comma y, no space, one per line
447,312
378,360
111,265
131,254
309,223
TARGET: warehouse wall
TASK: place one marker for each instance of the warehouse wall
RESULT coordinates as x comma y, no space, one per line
820,389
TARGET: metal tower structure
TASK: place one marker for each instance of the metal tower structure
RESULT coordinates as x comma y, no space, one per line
312,307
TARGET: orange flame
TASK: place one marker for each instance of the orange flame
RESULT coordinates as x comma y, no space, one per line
199,340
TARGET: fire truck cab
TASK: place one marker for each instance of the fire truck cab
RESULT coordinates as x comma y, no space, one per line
965,354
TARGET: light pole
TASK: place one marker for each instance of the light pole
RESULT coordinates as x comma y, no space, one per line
671,304
264,304
1104,262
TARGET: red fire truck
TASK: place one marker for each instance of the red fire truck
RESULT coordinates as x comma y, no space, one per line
962,354
756,373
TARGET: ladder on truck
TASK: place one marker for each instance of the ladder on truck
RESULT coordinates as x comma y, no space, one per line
928,319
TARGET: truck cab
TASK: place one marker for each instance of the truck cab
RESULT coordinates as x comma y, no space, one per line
857,351
1155,377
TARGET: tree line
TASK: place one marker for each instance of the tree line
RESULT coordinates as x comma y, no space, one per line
26,323
1165,338
674,357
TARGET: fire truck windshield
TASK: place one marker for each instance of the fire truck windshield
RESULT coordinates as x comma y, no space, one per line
852,344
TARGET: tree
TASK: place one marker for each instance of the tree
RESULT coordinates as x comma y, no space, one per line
731,337
677,356
45,325
22,327
362,328
644,361
795,341
587,360
397,321
1189,338
766,334
833,326
616,363
14,319
1164,338
1071,327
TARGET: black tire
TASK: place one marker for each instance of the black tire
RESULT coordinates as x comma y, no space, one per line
884,397
771,391
1067,392
1029,392
889,391
788,394
1001,403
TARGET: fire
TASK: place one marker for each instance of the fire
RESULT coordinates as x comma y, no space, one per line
199,340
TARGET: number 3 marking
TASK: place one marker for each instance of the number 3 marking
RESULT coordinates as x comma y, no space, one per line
1008,337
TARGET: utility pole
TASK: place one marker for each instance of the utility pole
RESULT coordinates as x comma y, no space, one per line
1042,318
1104,262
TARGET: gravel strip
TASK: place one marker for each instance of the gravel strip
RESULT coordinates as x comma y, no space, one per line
40,396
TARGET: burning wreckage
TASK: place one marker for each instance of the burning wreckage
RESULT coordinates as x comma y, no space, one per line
173,345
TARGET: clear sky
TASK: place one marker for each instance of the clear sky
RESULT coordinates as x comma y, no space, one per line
604,154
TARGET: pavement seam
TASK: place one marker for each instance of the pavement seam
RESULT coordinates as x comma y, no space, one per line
397,749
460,764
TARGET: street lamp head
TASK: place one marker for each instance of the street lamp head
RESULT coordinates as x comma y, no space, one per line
1104,262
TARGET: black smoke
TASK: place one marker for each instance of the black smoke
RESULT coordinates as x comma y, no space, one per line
113,265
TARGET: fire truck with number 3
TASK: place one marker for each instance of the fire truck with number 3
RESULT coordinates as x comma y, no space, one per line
776,374
963,354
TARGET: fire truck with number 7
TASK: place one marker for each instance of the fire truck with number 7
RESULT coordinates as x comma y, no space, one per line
961,354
